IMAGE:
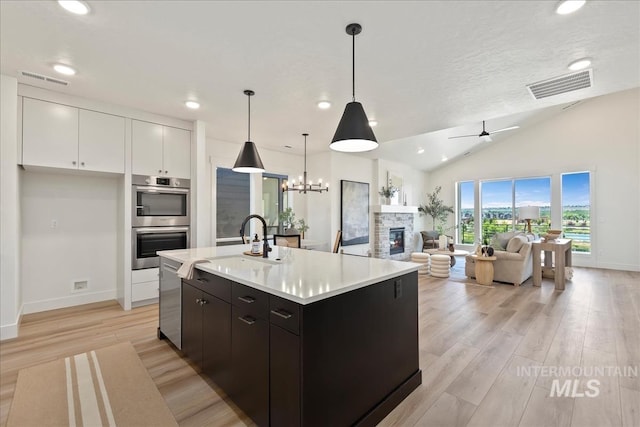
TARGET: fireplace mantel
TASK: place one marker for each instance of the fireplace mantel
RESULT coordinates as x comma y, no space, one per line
393,209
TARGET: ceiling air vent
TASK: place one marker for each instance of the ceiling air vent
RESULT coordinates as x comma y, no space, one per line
44,78
563,84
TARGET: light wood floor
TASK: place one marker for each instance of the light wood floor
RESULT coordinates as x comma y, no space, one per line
474,343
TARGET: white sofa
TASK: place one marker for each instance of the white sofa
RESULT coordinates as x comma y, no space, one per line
512,265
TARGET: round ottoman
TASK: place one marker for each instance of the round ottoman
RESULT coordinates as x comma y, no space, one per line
440,265
421,258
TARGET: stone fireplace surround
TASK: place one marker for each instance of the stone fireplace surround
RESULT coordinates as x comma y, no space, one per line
383,222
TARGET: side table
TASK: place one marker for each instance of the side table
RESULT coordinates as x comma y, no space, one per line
560,249
484,269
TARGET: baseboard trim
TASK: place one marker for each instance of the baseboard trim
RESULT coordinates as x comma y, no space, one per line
10,331
70,301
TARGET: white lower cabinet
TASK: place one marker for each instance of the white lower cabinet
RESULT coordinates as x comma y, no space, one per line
145,285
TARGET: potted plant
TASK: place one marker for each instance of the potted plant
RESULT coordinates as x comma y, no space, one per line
436,208
387,193
288,220
302,227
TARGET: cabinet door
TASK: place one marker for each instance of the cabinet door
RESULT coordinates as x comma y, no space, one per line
177,153
192,323
146,148
101,142
49,134
284,366
250,365
216,340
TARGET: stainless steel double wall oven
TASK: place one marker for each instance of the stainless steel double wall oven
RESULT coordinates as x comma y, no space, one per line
161,212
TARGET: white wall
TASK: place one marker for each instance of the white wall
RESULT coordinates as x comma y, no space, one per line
601,135
10,299
322,211
82,246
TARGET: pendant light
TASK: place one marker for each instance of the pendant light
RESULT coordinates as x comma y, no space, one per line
354,133
304,186
248,160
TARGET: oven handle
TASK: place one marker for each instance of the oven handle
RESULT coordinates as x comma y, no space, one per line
163,190
156,230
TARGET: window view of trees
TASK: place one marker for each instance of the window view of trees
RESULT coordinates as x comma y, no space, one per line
576,210
466,203
500,200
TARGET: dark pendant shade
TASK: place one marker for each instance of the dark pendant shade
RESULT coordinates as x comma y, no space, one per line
248,160
354,133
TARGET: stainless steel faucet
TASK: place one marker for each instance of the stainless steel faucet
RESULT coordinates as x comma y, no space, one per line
265,242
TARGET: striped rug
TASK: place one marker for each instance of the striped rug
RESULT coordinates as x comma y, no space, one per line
105,387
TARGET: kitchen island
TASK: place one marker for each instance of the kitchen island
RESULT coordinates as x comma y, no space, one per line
304,337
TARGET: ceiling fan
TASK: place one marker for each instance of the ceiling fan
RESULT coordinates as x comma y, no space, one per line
484,135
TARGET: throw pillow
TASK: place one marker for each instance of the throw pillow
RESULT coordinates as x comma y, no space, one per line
495,243
516,243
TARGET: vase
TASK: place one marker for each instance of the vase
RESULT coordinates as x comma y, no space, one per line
384,200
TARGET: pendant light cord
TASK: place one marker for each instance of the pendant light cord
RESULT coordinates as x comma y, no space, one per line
305,155
249,121
353,65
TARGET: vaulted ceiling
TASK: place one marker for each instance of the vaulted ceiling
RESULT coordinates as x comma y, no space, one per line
424,70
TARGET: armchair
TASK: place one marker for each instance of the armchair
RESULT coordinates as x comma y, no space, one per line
512,265
430,239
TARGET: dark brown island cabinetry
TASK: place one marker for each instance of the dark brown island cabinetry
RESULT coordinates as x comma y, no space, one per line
348,359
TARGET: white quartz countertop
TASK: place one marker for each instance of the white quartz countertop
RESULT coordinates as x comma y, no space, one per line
299,275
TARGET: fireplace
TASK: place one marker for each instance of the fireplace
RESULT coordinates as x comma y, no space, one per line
396,240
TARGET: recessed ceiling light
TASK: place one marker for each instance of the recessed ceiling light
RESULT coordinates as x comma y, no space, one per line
324,105
420,150
192,104
75,6
373,123
569,6
444,158
64,69
580,64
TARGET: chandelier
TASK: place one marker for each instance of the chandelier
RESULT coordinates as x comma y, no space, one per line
303,186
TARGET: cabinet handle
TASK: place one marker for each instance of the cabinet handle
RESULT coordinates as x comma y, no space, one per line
282,313
204,301
202,280
166,172
198,300
73,162
248,320
81,163
159,170
248,300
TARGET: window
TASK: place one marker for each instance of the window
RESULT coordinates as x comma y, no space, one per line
501,198
466,206
273,201
534,192
576,210
497,207
232,204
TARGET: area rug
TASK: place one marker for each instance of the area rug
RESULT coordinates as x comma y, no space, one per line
105,387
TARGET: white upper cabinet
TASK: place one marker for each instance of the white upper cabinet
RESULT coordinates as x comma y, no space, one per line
160,150
146,145
49,134
59,136
177,153
101,145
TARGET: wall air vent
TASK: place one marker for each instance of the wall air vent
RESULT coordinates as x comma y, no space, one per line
563,84
44,78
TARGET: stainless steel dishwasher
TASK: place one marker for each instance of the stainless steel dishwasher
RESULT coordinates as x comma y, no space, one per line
170,302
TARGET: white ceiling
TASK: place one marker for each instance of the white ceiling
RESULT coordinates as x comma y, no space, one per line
424,70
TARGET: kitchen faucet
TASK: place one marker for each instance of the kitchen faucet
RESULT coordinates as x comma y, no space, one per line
265,245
